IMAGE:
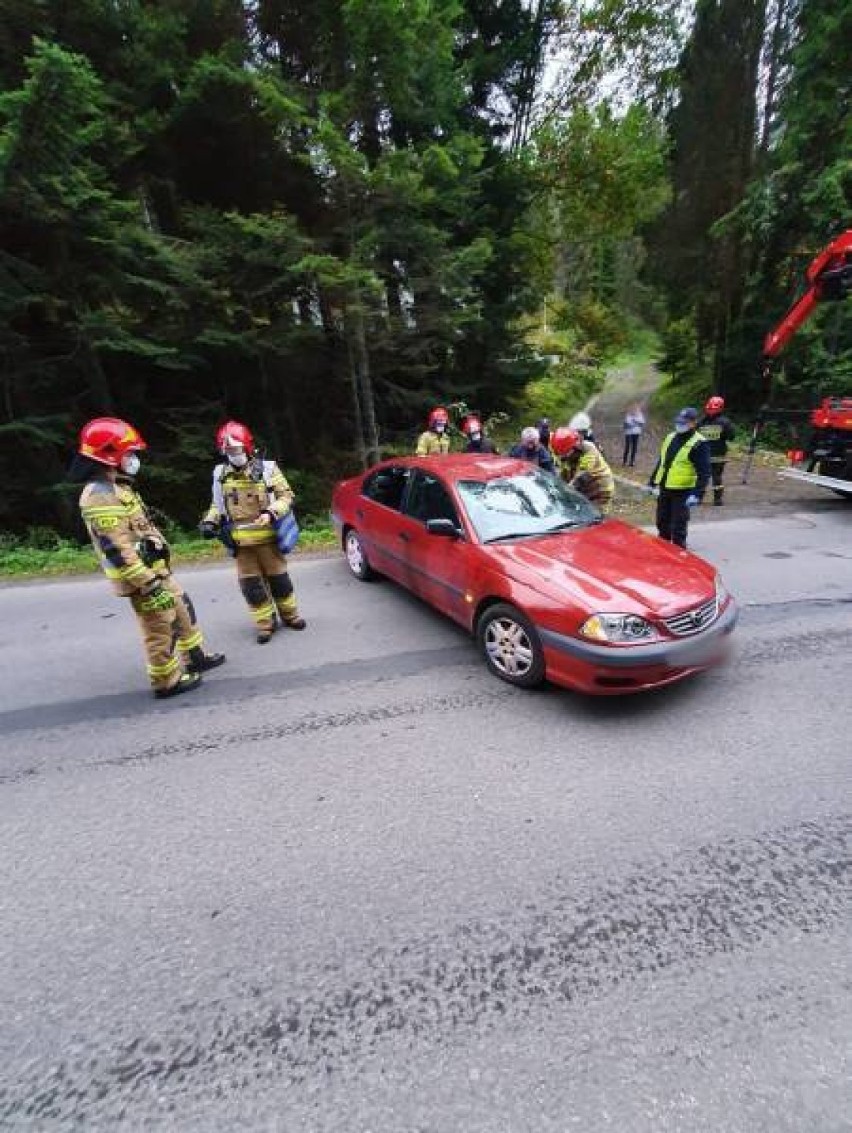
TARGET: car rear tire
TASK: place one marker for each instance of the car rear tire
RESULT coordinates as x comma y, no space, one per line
356,556
510,645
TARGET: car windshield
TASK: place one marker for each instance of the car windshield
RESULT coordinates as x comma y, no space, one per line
528,503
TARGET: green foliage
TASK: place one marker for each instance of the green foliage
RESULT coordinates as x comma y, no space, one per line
561,392
316,217
679,357
42,552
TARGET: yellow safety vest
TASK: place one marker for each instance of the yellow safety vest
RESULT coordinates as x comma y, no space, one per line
682,473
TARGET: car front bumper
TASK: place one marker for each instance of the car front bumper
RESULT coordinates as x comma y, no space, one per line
602,668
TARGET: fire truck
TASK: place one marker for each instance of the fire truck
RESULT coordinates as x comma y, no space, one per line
823,455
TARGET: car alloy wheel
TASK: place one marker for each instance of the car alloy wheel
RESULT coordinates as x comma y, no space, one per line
511,646
356,556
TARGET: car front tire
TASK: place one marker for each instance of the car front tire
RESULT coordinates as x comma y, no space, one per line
510,645
356,556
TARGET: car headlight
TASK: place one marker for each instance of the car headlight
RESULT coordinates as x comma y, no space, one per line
619,628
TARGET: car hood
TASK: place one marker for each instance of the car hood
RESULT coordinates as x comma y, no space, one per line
602,565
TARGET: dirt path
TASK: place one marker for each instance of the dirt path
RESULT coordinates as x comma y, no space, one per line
766,493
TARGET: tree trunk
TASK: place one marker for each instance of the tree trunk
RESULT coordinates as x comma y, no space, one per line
360,364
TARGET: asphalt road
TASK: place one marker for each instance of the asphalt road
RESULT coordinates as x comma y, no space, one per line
357,884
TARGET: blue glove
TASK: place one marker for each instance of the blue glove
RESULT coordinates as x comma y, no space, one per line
692,501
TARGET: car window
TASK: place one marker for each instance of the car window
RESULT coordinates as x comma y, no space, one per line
429,499
387,486
528,503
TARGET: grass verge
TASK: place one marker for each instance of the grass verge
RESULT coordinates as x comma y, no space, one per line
42,553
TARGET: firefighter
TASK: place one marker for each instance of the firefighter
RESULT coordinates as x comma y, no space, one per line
476,438
583,467
680,476
531,448
435,441
250,499
717,429
135,556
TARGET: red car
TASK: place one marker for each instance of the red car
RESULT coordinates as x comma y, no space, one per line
549,588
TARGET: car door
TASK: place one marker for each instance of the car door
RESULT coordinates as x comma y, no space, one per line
438,563
378,512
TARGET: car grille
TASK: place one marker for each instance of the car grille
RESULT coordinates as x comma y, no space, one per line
693,621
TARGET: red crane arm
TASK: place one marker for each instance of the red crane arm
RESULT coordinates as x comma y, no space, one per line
829,275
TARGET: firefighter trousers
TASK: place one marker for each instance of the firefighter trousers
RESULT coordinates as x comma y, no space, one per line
717,473
168,635
265,584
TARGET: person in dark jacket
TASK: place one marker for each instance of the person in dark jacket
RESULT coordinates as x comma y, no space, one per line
476,438
531,448
717,429
680,476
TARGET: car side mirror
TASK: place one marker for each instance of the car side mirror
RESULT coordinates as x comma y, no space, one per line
444,527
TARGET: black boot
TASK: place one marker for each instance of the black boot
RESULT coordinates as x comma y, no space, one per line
717,497
201,662
186,683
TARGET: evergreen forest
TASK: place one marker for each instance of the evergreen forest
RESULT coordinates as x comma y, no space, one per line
324,218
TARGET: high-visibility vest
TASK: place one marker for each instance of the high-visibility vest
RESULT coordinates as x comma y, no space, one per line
682,473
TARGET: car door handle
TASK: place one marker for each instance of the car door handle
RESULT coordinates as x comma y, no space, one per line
404,536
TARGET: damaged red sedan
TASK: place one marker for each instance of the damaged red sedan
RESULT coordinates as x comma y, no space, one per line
549,588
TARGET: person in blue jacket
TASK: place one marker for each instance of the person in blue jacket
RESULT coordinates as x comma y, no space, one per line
531,448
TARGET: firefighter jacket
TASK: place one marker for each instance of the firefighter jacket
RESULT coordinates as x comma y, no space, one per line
684,462
432,444
241,495
588,472
132,551
717,431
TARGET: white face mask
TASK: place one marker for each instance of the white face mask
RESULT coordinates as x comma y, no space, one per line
475,436
238,459
682,428
130,464
439,428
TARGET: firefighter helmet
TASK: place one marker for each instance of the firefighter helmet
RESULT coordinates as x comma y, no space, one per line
565,440
581,421
108,439
232,434
714,405
439,416
471,425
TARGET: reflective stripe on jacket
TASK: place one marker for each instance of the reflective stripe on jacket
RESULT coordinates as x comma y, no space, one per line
117,522
241,494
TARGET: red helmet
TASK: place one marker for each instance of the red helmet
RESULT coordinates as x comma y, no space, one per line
234,433
471,425
565,440
108,439
439,416
714,404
